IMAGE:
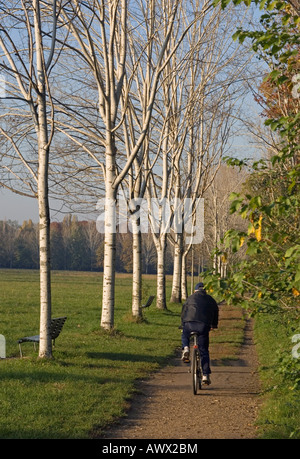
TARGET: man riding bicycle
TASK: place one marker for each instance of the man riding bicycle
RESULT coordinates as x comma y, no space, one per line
200,314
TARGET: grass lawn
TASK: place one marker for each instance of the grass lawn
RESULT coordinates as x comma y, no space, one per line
93,374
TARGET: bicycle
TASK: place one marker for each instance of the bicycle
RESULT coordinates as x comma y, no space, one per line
195,368
195,363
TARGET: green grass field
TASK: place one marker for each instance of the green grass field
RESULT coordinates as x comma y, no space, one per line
93,374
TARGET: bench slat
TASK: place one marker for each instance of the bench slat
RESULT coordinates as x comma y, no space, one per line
149,302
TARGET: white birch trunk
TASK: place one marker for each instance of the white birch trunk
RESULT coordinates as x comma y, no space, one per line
177,270
45,347
108,298
137,272
161,277
184,290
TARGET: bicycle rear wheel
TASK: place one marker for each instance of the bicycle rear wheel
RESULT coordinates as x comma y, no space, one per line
196,372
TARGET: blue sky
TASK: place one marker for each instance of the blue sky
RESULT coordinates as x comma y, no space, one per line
19,208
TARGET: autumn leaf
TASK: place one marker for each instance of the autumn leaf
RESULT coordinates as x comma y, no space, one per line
258,230
242,240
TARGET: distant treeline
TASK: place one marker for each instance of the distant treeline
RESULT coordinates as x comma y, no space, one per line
75,245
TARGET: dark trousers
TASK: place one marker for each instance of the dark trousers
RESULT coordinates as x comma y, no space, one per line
203,341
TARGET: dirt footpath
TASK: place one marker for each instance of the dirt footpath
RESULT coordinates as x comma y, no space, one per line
166,407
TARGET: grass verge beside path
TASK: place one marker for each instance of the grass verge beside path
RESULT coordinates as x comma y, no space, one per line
279,417
90,380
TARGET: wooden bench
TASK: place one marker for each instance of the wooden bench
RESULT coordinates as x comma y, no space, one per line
55,329
149,302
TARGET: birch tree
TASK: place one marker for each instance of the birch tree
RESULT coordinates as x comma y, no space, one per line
27,43
177,100
217,86
144,163
137,113
197,95
99,36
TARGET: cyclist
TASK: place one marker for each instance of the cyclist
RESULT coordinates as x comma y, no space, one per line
200,313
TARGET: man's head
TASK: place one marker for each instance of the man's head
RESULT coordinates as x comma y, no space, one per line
199,286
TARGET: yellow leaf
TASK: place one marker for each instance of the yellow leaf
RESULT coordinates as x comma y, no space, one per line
259,294
258,234
295,292
255,228
258,230
242,240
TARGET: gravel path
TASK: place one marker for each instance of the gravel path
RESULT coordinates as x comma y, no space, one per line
165,407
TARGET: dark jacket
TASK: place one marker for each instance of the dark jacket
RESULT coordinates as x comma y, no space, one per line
200,307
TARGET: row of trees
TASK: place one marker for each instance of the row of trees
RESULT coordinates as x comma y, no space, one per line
79,245
102,97
75,245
